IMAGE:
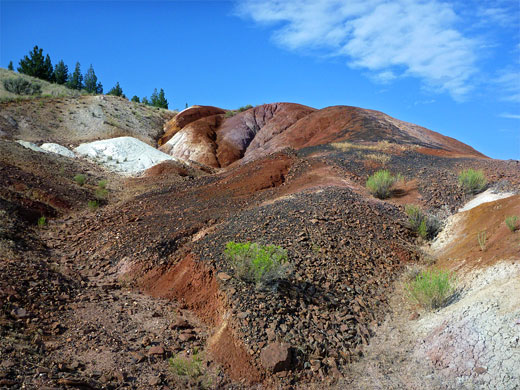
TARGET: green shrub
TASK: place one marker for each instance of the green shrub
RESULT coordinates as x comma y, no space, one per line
80,179
472,181
42,221
415,216
380,183
511,223
245,108
187,366
102,184
426,226
21,86
93,205
432,289
257,263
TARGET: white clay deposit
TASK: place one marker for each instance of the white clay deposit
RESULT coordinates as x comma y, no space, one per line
123,154
32,146
485,197
58,149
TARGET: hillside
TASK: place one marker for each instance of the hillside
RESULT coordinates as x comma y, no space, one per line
47,89
209,136
103,297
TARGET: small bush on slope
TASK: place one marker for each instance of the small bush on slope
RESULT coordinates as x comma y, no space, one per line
432,289
80,179
511,223
472,181
257,263
21,86
426,226
380,183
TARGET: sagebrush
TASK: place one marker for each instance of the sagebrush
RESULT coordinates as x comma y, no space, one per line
472,181
512,223
262,264
21,86
432,289
425,225
380,184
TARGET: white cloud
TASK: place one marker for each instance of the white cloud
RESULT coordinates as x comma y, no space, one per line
390,38
509,116
509,83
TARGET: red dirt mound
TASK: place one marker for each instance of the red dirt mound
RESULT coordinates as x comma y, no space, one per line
185,117
211,139
254,128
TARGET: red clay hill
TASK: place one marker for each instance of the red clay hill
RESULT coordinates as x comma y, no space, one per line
218,138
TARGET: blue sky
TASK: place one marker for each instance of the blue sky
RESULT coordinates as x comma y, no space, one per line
450,66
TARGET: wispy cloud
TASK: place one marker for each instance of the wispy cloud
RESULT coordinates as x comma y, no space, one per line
509,116
509,83
390,39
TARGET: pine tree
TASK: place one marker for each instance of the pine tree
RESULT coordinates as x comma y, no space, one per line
10,66
145,100
75,80
154,99
135,99
90,81
161,100
36,65
61,73
99,88
49,70
117,91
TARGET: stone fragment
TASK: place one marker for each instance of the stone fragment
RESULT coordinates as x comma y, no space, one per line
156,350
276,357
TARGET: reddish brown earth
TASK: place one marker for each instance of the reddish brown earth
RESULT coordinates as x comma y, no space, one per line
500,244
186,117
209,137
102,299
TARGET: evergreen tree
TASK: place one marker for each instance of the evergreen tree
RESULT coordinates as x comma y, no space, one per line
161,100
90,81
117,91
99,88
75,80
135,99
10,66
49,70
145,100
36,65
61,73
154,98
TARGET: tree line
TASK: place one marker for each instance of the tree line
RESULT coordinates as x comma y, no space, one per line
37,65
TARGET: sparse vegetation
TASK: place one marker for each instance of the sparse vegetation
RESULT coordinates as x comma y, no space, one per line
482,239
80,179
93,205
21,86
431,289
380,183
262,264
101,192
381,158
426,226
512,223
472,181
379,146
187,366
42,221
